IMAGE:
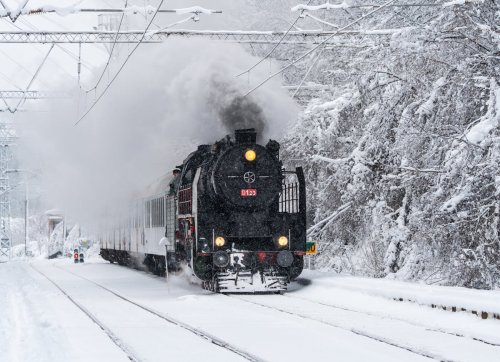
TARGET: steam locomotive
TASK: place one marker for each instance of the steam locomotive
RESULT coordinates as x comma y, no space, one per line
230,212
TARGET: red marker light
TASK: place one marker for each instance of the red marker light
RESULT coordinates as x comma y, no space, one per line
261,257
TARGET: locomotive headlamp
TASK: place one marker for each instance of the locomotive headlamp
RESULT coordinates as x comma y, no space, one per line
250,155
283,241
220,241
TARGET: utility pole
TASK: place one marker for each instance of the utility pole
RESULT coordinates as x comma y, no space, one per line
26,204
26,218
7,136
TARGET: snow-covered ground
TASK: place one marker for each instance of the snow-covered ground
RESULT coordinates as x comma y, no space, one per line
59,311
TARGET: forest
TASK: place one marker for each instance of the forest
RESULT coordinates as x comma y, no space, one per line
401,144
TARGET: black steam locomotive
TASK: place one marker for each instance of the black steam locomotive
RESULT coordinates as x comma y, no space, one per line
231,212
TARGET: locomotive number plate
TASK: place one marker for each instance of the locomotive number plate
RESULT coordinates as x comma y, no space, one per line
248,192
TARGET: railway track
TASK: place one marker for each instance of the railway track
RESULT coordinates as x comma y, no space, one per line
206,336
352,330
394,318
422,350
120,344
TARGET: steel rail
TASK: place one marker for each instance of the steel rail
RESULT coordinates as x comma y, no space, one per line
378,315
215,340
352,330
94,319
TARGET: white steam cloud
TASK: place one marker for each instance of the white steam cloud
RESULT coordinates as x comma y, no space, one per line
168,99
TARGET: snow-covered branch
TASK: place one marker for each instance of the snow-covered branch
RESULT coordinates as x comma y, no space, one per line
326,221
326,6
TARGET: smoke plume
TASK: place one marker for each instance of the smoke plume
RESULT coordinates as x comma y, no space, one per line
168,99
243,113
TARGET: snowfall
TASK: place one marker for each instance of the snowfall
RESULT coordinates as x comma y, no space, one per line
55,310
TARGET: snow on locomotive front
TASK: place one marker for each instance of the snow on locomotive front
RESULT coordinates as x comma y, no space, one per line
249,215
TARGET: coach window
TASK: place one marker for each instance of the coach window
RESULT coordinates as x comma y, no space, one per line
155,213
162,212
148,214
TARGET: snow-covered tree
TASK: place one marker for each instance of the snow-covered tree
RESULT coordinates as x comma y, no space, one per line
405,147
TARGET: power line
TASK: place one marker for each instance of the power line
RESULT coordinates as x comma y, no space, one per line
122,66
277,44
317,46
110,52
308,71
19,64
29,25
8,79
35,75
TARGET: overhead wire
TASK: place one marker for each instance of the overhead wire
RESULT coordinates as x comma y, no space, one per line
9,80
72,55
22,100
318,57
110,53
122,66
319,45
275,46
29,25
19,64
323,47
59,46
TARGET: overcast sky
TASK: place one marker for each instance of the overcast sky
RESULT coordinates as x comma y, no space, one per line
18,62
167,96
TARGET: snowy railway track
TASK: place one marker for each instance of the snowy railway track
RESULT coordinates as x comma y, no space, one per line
120,344
395,318
352,330
206,336
438,350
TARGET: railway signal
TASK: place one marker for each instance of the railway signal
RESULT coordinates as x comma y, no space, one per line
311,248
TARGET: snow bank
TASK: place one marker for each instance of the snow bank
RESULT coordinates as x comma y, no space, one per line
442,296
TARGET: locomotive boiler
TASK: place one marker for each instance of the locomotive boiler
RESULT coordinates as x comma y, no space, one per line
232,213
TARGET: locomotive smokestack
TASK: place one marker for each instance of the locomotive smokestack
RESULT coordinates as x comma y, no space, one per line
245,135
